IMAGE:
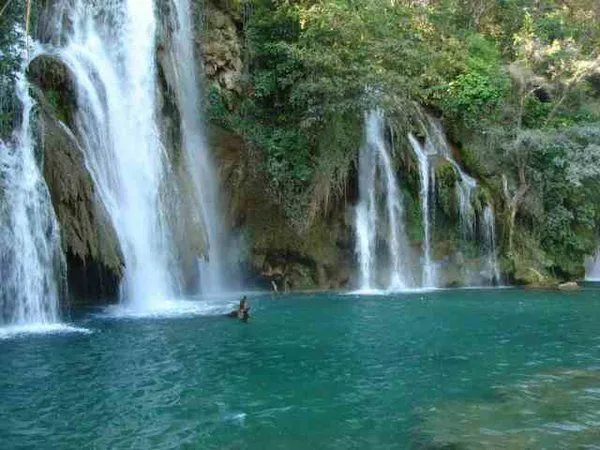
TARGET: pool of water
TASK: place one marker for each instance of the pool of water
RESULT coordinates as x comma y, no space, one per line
447,369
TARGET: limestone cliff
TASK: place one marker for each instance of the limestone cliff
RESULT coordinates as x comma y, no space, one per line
220,44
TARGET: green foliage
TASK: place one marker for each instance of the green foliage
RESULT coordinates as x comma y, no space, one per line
563,200
314,70
11,41
535,112
476,92
12,54
217,110
514,80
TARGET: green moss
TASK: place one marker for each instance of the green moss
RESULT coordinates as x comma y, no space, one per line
445,186
471,161
62,109
53,79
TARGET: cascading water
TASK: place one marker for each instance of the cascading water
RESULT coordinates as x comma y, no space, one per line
489,231
465,187
110,53
376,172
436,145
110,50
377,182
366,219
592,267
428,269
213,268
31,267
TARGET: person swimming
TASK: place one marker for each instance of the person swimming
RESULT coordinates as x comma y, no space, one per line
245,314
242,312
242,307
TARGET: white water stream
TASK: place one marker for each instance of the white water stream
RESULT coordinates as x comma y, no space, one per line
110,50
32,268
425,174
215,270
376,225
380,211
111,55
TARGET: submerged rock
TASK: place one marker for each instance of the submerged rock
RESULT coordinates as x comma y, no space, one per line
569,286
559,409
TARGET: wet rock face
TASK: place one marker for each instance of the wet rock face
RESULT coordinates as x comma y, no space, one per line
285,270
279,255
93,253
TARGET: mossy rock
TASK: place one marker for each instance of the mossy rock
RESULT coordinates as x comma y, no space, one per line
445,174
526,274
53,78
480,199
94,259
445,186
445,248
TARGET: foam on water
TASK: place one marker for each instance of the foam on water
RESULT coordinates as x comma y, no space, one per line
15,331
368,292
169,309
238,418
390,292
203,305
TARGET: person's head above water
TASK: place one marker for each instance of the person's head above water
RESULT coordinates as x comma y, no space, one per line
243,302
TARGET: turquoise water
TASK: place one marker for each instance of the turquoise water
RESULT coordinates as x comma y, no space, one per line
450,369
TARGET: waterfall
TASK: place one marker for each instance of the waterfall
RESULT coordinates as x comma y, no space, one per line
213,269
592,267
377,179
436,145
489,230
428,270
465,187
110,54
380,213
141,174
110,50
31,266
366,218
